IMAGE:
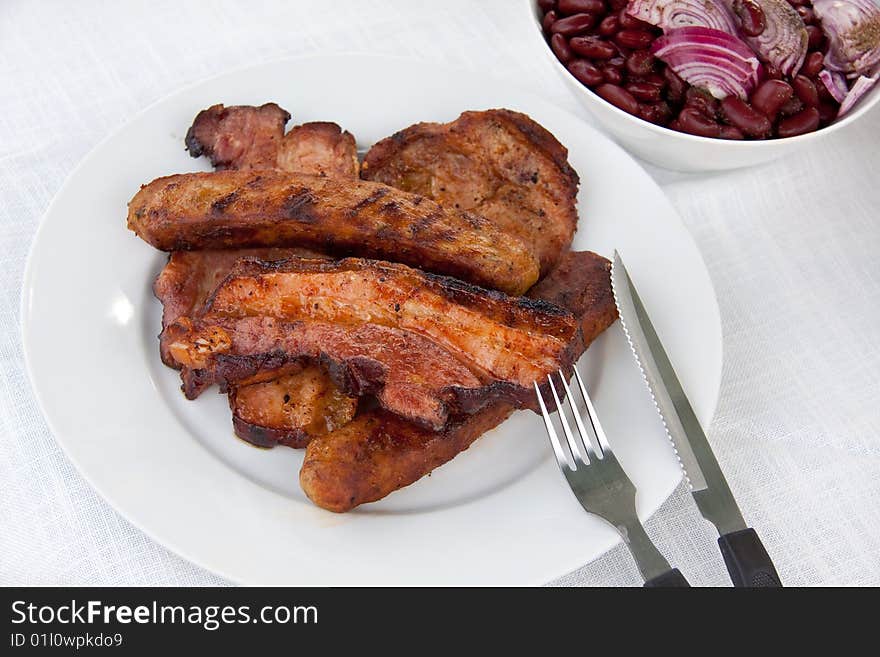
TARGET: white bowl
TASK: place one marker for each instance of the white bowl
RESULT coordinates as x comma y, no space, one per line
681,151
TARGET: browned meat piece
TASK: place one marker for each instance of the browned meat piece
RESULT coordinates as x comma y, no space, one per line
290,410
409,374
581,284
302,402
235,209
378,453
246,137
189,277
378,324
496,163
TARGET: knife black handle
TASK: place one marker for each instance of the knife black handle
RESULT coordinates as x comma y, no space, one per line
670,579
747,561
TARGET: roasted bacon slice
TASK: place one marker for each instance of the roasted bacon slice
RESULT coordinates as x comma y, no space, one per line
189,277
496,163
246,137
235,209
428,346
378,452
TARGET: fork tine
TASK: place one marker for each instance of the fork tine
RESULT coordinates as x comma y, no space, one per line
576,452
604,446
585,447
564,459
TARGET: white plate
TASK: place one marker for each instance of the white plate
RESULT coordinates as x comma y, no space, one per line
498,514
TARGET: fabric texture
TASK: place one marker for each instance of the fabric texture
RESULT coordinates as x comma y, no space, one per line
791,248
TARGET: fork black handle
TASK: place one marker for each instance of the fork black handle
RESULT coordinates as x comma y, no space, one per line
670,579
747,561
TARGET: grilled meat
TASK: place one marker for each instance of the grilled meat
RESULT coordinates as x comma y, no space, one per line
291,409
378,453
499,164
234,209
484,344
246,137
189,277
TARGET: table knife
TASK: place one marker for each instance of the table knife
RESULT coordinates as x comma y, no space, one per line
745,557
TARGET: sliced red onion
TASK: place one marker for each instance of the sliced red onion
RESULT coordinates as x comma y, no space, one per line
710,59
853,30
835,83
861,86
783,43
672,14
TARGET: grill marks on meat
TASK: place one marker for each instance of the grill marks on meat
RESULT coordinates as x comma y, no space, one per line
235,209
245,137
409,375
496,163
427,346
303,401
378,453
499,337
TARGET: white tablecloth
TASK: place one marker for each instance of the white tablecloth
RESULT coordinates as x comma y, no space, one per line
792,249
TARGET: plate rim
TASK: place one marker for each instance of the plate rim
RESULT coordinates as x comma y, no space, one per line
170,543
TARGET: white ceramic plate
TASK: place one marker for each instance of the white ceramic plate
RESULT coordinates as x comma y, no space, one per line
498,514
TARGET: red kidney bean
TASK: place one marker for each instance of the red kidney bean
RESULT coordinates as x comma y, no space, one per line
586,72
586,6
772,72
635,39
641,62
702,102
592,47
816,37
547,5
813,64
617,5
572,25
770,96
644,91
693,121
746,118
653,78
560,48
731,132
800,123
658,113
675,124
793,106
609,25
827,113
807,14
677,86
628,22
617,62
806,91
824,94
549,19
797,3
751,16
612,75
618,96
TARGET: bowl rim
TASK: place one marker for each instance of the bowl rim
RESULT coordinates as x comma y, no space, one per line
662,131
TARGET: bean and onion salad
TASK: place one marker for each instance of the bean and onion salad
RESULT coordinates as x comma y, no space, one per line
610,52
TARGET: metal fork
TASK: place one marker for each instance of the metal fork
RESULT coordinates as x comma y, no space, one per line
600,484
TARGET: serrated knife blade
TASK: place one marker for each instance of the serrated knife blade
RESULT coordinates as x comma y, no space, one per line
746,559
